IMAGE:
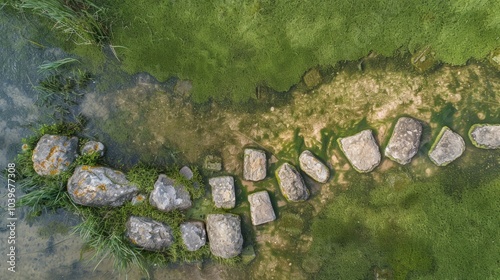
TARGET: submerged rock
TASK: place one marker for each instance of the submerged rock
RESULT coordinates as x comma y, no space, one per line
312,78
261,209
405,140
166,196
291,184
313,167
485,136
99,186
149,234
93,147
447,147
53,154
223,193
361,150
212,163
224,234
254,165
193,235
186,172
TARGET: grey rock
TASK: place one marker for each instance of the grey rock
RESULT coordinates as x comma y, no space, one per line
53,154
93,147
447,147
193,235
139,199
261,209
254,165
405,140
166,196
291,184
100,186
212,163
485,136
224,235
313,167
361,150
186,172
223,193
149,234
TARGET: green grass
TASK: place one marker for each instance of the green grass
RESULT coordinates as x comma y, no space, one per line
228,48
440,228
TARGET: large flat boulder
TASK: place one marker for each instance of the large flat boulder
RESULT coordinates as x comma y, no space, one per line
405,140
53,154
224,235
254,165
313,167
100,186
149,234
291,183
485,136
167,196
261,209
193,235
447,147
361,150
223,193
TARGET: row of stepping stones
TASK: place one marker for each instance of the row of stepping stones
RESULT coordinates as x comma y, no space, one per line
101,186
364,155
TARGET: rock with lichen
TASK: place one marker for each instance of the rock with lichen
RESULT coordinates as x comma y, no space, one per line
291,183
223,193
100,186
149,234
254,165
93,147
447,147
54,154
313,167
405,140
485,136
167,196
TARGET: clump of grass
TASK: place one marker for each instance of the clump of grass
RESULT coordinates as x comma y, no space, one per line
80,20
54,65
143,176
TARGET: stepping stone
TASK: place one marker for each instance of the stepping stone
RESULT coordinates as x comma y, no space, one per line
193,235
212,163
100,186
223,193
313,167
261,209
54,154
93,147
149,234
254,165
291,184
224,234
485,136
361,150
166,196
447,147
405,140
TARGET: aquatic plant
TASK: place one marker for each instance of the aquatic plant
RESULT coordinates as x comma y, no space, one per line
54,65
419,229
239,45
80,20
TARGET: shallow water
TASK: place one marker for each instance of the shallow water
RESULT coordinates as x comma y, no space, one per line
144,120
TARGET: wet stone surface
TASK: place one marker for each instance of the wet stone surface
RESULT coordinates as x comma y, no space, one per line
361,150
224,234
223,193
261,209
485,136
405,140
149,234
53,154
193,234
254,165
313,167
167,196
93,147
100,186
447,147
291,183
